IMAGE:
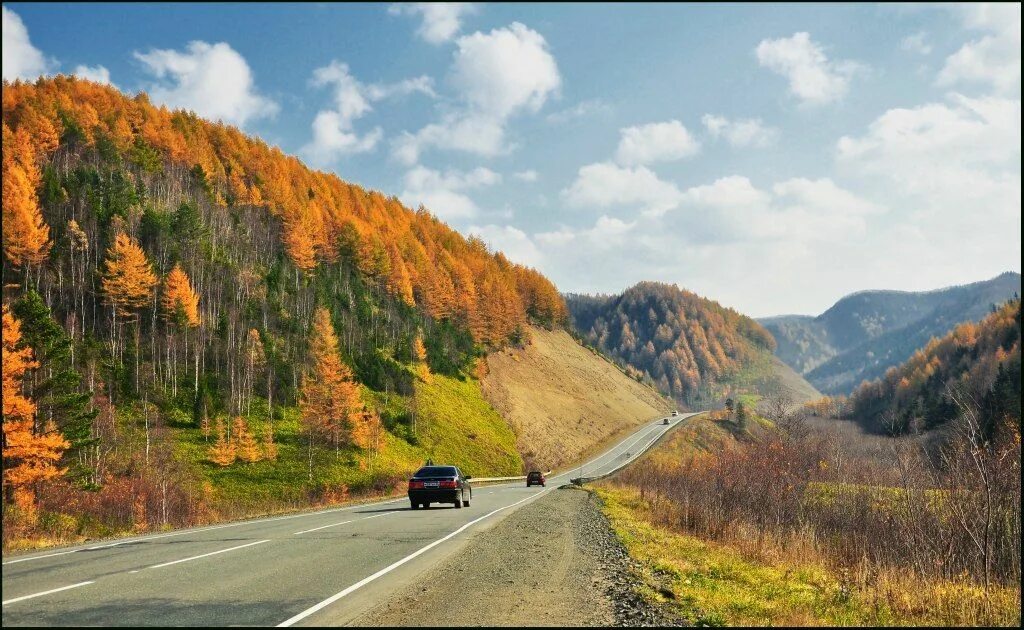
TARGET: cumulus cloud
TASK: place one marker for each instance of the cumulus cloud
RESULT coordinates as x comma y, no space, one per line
603,185
655,142
529,175
333,129
212,80
583,109
497,75
916,43
98,74
994,59
812,76
441,21
511,241
443,193
21,60
746,132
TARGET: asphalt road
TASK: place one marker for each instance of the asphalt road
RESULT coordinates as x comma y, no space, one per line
313,568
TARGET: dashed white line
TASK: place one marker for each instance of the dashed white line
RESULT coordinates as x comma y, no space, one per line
391,567
315,529
52,590
207,555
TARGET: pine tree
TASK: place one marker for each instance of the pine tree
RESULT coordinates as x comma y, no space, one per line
30,453
55,385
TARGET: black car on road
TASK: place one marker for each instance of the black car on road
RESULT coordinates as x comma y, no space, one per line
439,484
535,477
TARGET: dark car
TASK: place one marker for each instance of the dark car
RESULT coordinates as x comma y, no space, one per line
535,477
439,484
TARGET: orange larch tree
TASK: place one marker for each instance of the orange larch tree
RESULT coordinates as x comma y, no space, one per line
180,301
26,237
329,396
128,278
30,453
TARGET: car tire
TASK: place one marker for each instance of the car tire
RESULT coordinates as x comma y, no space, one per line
465,503
415,505
458,502
426,505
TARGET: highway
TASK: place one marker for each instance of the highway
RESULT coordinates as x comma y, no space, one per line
312,568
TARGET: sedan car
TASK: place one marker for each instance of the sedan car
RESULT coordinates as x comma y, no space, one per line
439,484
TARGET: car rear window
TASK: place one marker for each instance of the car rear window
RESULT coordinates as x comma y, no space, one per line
535,474
436,471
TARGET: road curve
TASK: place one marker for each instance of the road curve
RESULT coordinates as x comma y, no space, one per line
311,568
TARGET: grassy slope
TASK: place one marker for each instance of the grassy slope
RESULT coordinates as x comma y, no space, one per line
715,584
564,400
455,424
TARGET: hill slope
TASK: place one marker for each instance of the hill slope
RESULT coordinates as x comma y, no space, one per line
691,348
562,399
865,333
166,271
983,360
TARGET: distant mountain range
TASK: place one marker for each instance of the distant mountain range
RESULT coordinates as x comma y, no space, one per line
866,333
690,347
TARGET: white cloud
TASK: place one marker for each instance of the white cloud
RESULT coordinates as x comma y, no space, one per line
511,241
98,74
21,60
498,75
443,193
212,80
604,184
655,142
334,134
994,59
916,43
747,132
813,78
579,110
441,20
529,175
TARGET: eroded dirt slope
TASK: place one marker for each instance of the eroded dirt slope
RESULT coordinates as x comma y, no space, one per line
563,400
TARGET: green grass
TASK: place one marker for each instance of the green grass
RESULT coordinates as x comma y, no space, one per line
455,425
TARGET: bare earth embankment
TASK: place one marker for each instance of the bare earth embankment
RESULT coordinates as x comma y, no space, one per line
563,400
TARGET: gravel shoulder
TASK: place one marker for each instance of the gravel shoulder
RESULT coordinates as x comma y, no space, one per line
553,562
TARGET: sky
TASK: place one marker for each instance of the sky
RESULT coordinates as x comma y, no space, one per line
773,158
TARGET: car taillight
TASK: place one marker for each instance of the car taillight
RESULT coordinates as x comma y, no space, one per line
415,485
448,483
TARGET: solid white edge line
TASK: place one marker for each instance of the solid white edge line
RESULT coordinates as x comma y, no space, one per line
52,590
207,555
391,567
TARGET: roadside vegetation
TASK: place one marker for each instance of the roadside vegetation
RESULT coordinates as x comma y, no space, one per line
779,521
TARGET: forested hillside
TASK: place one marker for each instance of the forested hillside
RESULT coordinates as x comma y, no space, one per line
866,333
199,325
691,348
978,364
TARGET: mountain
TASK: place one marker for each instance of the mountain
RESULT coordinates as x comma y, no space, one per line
975,361
197,326
691,348
866,333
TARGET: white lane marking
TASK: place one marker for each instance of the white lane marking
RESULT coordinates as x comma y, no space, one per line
207,555
306,531
52,590
201,530
49,555
391,567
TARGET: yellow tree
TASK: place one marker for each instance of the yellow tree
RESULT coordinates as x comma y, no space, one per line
180,301
128,281
223,451
246,447
30,456
26,237
329,394
419,352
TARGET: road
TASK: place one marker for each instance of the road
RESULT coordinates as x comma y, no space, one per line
314,568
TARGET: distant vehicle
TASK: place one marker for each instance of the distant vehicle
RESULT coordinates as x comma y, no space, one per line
675,413
439,484
535,477
665,421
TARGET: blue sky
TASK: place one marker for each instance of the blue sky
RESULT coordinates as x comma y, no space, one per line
773,158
